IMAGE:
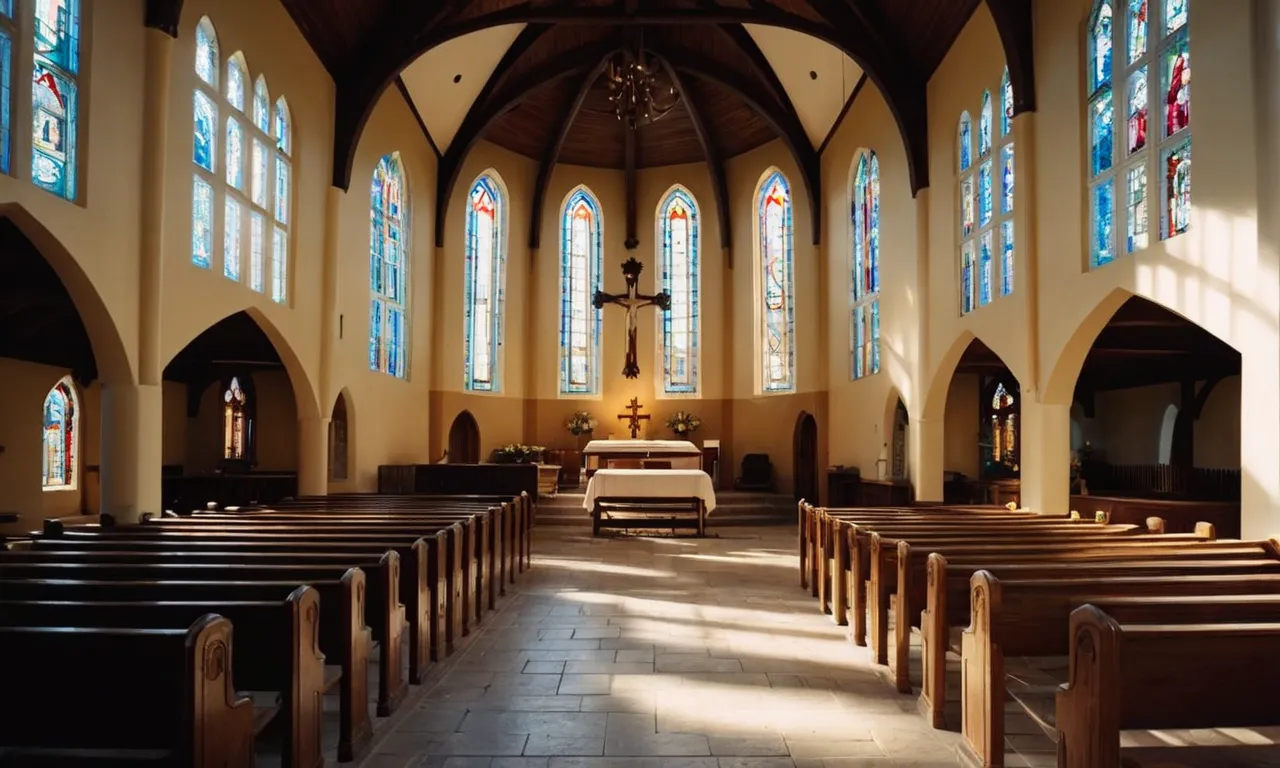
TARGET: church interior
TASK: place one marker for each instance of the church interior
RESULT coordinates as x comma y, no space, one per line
844,254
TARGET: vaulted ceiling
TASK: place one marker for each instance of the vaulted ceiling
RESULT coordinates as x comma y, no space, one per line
526,75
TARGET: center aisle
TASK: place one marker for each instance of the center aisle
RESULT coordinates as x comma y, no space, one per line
692,653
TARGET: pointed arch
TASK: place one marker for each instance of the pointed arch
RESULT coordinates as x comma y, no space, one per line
864,327
464,439
208,58
61,437
262,104
341,448
775,284
237,81
984,125
485,283
388,268
964,142
679,240
581,264
282,127
1006,104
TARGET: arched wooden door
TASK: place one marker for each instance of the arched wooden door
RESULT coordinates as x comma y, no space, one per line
464,440
339,431
805,451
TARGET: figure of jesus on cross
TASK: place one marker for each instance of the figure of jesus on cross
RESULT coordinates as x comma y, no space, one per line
632,301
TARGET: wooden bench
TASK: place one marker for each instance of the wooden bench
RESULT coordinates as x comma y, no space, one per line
276,648
649,512
344,639
149,696
1121,679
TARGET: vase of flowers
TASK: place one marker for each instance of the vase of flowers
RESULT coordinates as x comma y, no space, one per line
683,423
581,424
517,453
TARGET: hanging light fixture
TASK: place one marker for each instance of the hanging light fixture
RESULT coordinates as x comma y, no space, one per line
641,90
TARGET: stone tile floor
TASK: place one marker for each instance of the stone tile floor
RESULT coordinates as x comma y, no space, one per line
663,653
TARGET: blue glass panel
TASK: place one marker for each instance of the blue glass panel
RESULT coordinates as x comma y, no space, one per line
235,83
201,223
984,269
206,52
282,190
1177,179
483,282
205,141
53,131
1102,213
1137,29
283,135
6,8
1101,132
1006,104
279,266
984,194
1006,258
257,252
235,151
375,335
57,37
1136,213
580,278
387,260
1100,40
395,342
678,219
231,239
875,336
966,278
261,105
1175,15
59,438
774,229
984,125
966,141
6,57
859,333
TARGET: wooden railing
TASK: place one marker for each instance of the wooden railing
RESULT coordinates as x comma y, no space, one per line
1162,480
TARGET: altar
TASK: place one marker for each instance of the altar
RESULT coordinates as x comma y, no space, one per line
642,498
641,454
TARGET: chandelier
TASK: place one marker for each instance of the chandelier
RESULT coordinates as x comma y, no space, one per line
640,91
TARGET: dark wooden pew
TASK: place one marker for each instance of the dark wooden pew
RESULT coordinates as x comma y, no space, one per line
149,696
276,647
1124,676
1027,612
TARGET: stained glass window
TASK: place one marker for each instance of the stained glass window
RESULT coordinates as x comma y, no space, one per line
485,285
235,153
257,252
1100,46
282,190
1006,179
205,139
966,277
1137,30
984,194
984,125
258,174
1003,413
965,140
281,199
1137,126
985,270
231,225
1102,208
283,131
207,58
1177,174
580,277
202,223
1175,15
777,310
6,89
261,105
1101,128
1006,258
279,265
865,352
53,130
6,8
967,220
388,264
680,326
61,437
235,81
1136,207
1006,104
1177,82
235,422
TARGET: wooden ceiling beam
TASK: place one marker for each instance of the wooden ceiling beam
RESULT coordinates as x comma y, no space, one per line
760,65
715,163
1014,24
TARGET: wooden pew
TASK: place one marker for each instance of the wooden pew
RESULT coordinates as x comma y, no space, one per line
1121,679
276,647
159,693
344,639
1026,612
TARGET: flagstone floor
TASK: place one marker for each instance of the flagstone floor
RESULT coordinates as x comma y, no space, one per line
663,653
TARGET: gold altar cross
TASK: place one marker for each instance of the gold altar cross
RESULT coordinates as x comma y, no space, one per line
634,418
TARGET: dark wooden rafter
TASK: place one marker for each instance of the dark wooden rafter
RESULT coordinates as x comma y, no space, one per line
551,154
417,116
164,15
844,111
1017,37
629,181
715,163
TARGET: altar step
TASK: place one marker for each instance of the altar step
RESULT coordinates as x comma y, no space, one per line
733,508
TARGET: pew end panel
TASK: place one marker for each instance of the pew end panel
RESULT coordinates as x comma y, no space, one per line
220,722
419,610
355,732
934,642
304,702
982,677
392,685
900,655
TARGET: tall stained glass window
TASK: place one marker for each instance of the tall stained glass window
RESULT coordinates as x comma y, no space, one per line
986,205
581,263
865,285
388,265
485,284
54,96
1002,413
1150,73
282,141
680,327
7,31
235,422
61,437
776,303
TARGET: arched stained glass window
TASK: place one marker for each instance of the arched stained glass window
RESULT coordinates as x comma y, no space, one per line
485,283
280,203
388,267
775,303
865,324
235,81
680,327
984,126
235,422
986,208
61,437
581,263
1154,68
1006,104
1002,413
54,96
964,142
261,105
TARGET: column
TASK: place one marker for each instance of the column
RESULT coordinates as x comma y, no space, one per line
1045,457
313,456
329,300
925,457
132,434
1026,264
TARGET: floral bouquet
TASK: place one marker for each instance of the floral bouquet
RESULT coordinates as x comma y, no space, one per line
683,423
518,454
580,423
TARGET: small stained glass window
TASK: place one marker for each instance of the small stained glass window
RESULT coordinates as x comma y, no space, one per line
279,265
1137,30
1006,104
207,57
257,252
581,264
1177,86
986,272
1101,130
484,277
777,308
1006,179
1103,238
235,153
965,140
235,82
1136,209
1006,258
984,126
201,223
60,437
261,105
1137,123
231,239
258,179
984,194
1100,40
1175,15
1177,174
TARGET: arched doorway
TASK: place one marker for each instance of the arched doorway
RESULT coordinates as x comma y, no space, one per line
898,457
464,440
339,444
982,430
805,451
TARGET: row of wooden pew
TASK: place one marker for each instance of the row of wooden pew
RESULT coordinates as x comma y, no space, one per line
151,632
1151,621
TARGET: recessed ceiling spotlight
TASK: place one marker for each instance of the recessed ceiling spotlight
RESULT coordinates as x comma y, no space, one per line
457,78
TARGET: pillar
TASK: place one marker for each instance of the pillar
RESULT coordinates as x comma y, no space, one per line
1045,458
132,434
313,456
925,457
329,299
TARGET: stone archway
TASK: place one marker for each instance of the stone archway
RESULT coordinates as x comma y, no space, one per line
464,440
805,457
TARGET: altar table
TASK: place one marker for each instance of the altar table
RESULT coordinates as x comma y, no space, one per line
646,498
681,453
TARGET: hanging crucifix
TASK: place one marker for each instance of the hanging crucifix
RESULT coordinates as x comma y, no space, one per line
634,418
632,301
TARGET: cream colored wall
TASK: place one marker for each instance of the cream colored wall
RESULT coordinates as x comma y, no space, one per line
861,412
196,442
960,453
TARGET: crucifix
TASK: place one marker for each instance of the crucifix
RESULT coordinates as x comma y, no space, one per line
632,301
634,418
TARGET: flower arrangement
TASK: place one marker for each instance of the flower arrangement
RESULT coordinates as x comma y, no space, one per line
580,423
683,423
518,454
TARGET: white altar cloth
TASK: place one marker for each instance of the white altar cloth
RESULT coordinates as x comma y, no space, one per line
650,447
650,483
